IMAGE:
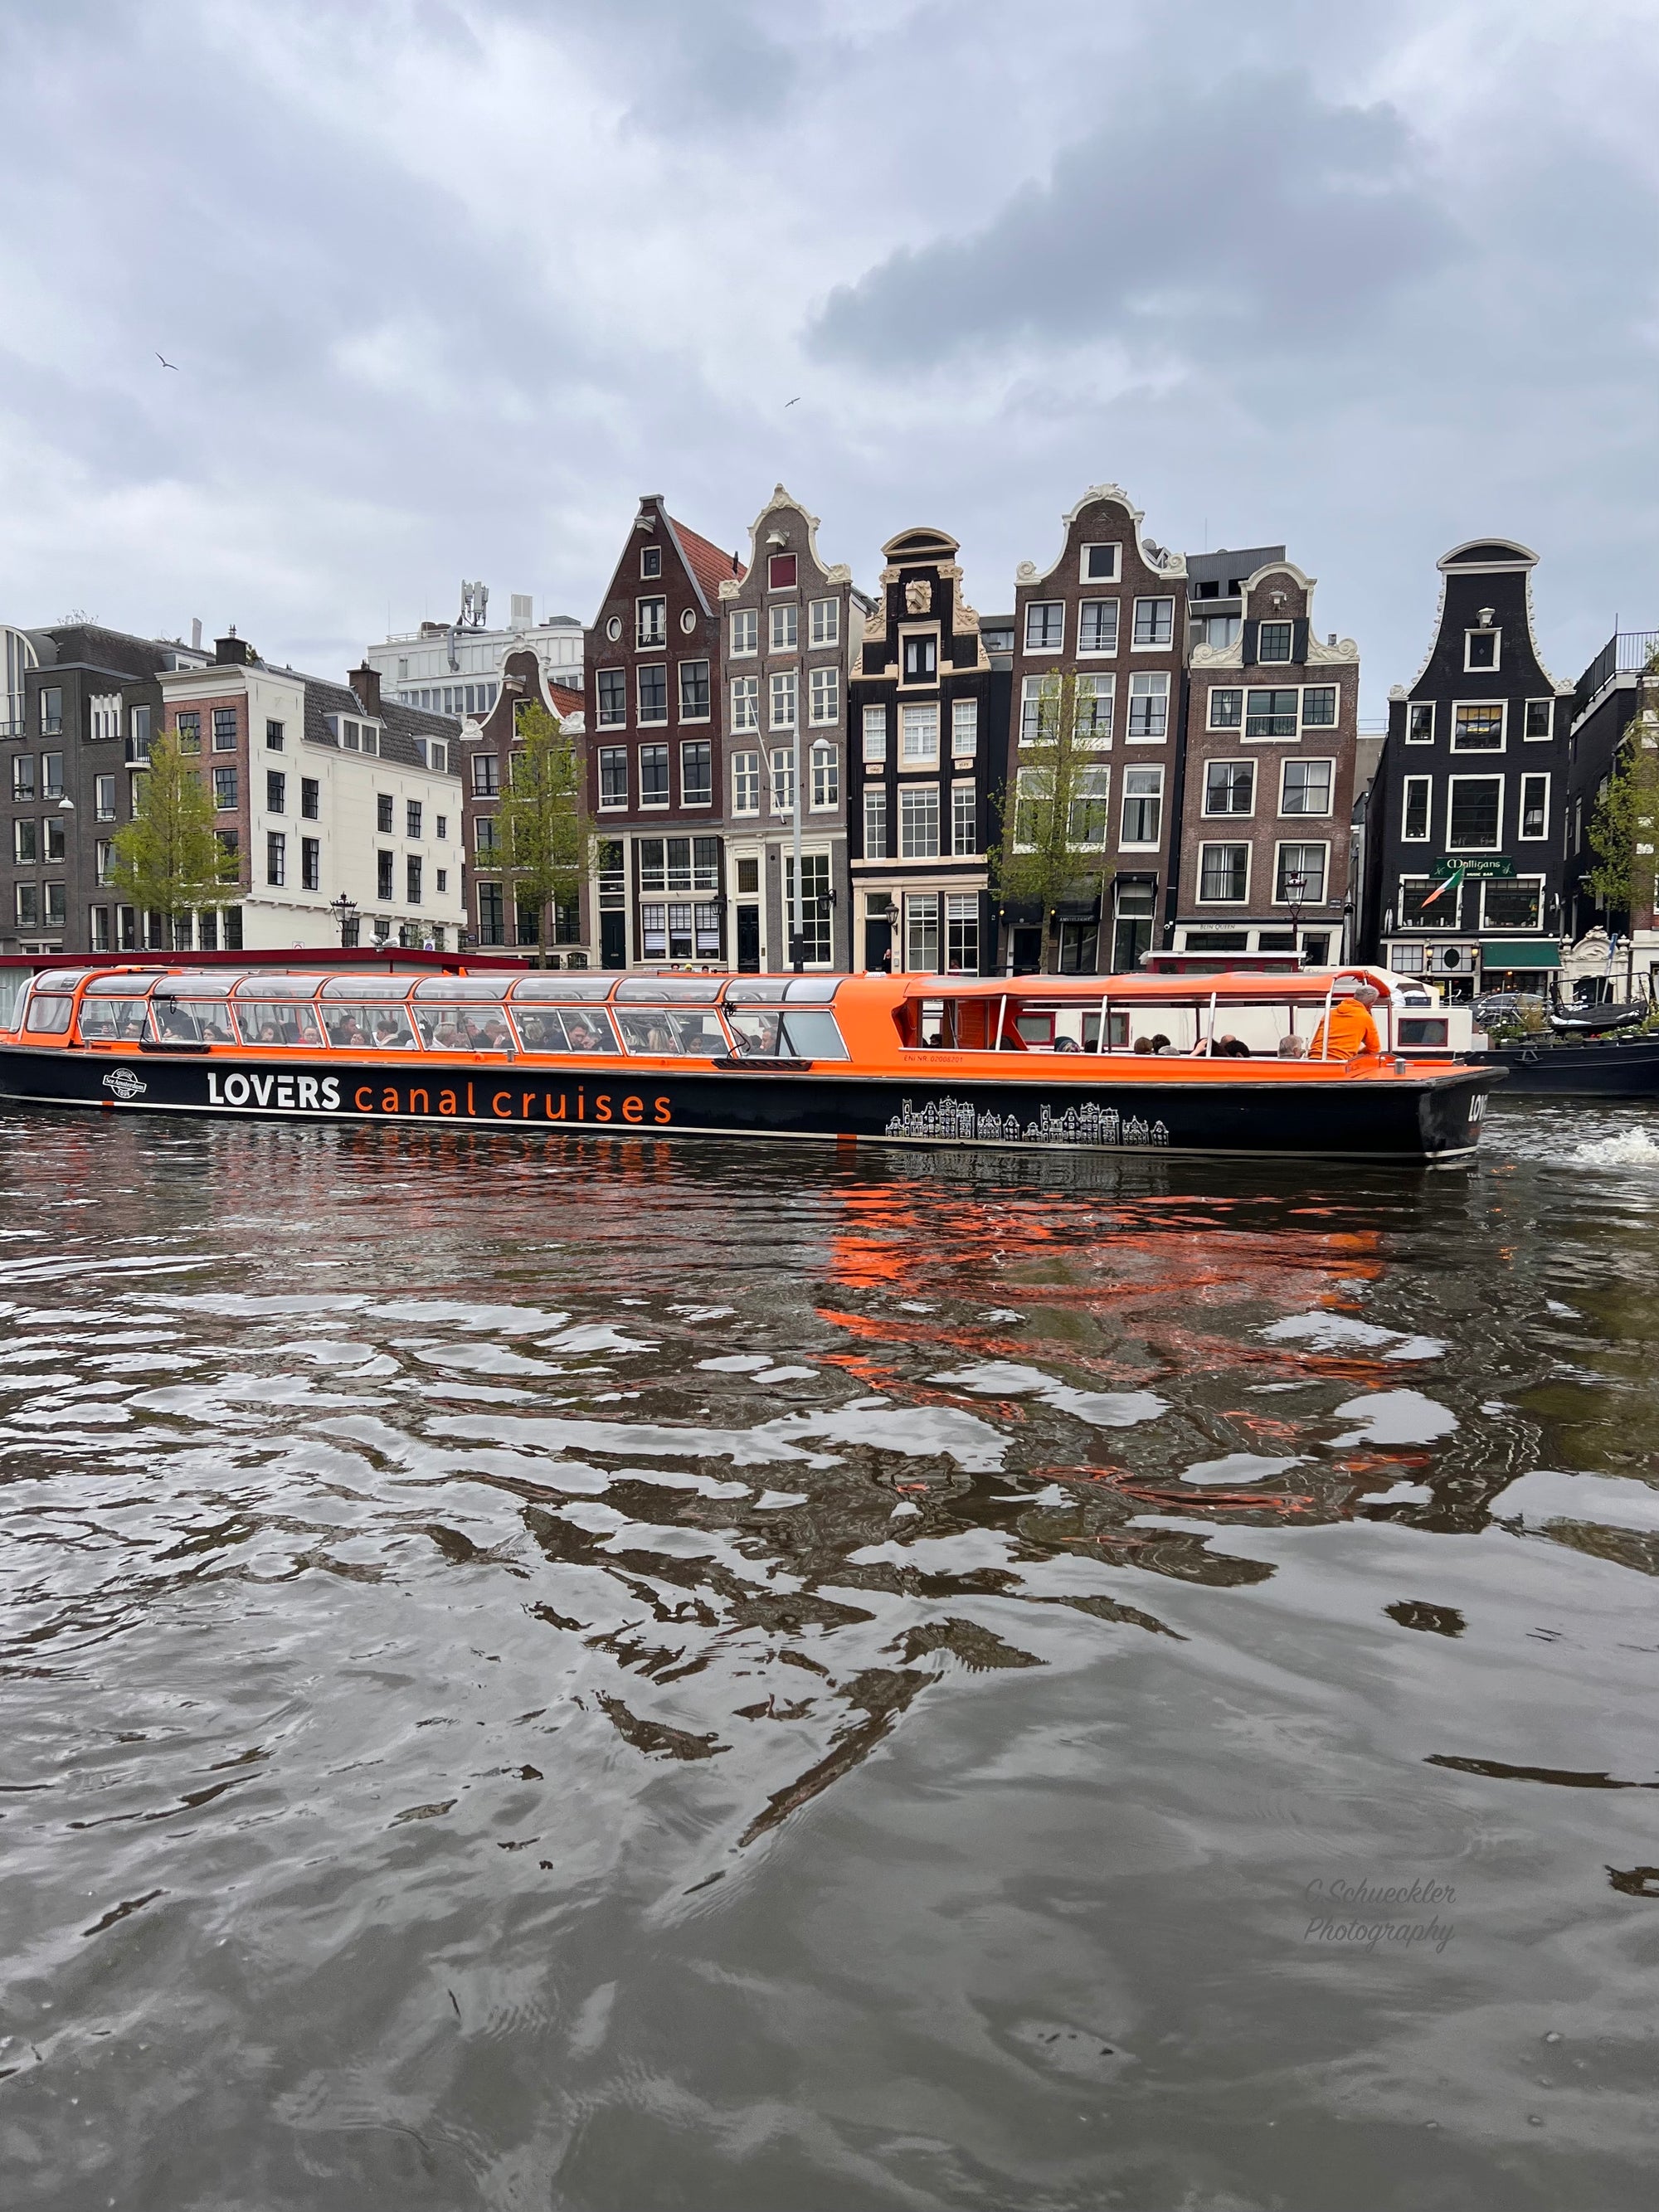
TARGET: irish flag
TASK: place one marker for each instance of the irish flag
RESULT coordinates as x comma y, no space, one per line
1450,884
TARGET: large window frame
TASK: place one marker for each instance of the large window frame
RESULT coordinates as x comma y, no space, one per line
1143,790
919,822
1313,895
1416,810
1224,779
1301,764
1454,844
1535,804
1483,708
1212,871
1099,624
1045,626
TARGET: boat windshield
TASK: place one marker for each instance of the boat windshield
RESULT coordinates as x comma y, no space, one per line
112,1021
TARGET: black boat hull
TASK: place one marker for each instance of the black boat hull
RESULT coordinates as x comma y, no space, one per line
1425,1120
1577,1071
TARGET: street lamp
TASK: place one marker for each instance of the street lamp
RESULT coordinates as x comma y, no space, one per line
344,911
1296,895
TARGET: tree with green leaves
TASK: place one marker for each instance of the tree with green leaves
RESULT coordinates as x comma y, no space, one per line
1623,829
1051,851
543,832
168,859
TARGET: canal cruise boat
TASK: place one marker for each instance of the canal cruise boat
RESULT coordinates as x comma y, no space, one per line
1215,1063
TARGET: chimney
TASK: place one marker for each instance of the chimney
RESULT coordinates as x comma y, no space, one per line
233,652
196,632
366,682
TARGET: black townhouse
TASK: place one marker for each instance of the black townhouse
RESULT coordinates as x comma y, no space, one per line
927,757
1466,862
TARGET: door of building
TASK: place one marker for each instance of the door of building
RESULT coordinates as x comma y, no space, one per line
613,940
877,944
749,940
1026,943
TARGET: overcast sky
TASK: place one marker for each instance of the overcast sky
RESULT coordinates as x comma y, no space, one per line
449,282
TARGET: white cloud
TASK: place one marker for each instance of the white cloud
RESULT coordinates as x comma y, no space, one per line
450,284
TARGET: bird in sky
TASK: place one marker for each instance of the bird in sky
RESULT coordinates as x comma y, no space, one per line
788,403
165,362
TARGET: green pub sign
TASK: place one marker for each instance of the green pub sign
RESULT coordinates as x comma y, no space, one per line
1479,867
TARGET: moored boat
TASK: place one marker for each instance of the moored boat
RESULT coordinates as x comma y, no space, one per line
1205,1064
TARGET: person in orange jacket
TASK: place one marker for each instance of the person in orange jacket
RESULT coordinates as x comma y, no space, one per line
1353,1031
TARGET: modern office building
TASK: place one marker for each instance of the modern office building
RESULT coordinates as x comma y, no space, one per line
455,668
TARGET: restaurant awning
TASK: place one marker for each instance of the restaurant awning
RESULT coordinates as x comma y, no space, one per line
1532,952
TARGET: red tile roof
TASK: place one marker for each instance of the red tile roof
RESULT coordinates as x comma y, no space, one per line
565,701
707,562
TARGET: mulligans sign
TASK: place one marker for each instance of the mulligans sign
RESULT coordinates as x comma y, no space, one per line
1483,867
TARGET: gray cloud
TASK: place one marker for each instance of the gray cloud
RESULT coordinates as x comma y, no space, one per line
1250,213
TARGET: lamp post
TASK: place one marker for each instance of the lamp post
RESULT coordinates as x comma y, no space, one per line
344,911
797,938
1296,893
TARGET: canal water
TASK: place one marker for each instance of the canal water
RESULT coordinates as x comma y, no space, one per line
539,1674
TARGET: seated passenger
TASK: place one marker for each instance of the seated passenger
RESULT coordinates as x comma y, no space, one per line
1352,1033
1160,1043
580,1033
343,1031
1232,1048
488,1033
1142,1044
173,1023
389,1030
1066,1044
1293,1048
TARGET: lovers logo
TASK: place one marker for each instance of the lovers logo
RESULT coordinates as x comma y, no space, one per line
125,1084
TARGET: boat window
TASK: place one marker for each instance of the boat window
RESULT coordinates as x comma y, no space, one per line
655,1030
210,1017
196,987
48,1016
367,1028
1413,1031
267,1022
112,1021
131,986
60,979
1034,1027
463,1028
572,1029
365,987
679,990
759,1031
460,990
810,1033
562,987
265,988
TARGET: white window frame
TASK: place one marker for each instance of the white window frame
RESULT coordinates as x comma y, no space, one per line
1425,836
1034,607
875,736
1152,599
930,633
913,719
1125,795
964,729
745,703
1481,752
1548,730
1497,844
1413,707
699,660
918,795
783,626
824,704
1100,651
641,720
1100,773
781,763
1483,667
1286,660
822,625
1205,812
1216,844
1523,835
876,817
746,782
1114,574
1099,734
1320,844
1511,883
1221,690
1303,724
655,806
104,715
750,619
783,698
1155,684
964,815
825,764
644,643
1307,814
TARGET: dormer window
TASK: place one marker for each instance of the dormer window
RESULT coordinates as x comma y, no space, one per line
1102,564
1273,641
780,573
1480,647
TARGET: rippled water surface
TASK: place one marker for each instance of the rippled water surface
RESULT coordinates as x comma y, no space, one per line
542,1675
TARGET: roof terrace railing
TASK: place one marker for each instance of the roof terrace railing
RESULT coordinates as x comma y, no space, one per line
1626,652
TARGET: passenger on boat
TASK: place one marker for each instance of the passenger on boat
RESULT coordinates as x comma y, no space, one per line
1231,1048
342,1030
1160,1043
1142,1045
1066,1044
581,1037
1293,1048
1353,1031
